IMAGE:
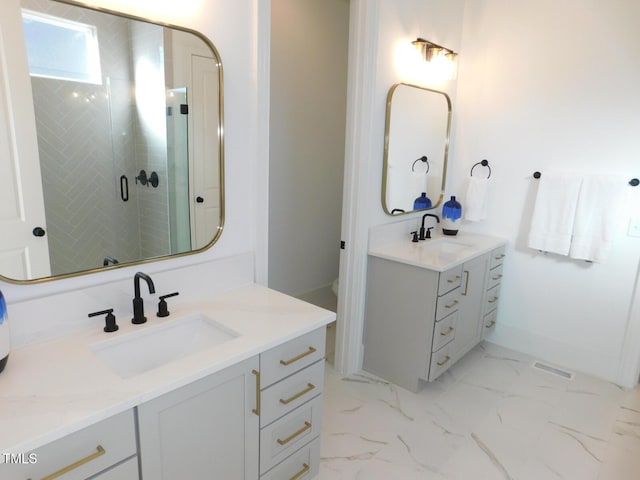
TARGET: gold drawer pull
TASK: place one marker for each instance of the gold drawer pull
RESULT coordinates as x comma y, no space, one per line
448,332
454,280
310,386
301,473
451,305
501,256
99,452
466,283
493,322
497,277
493,300
257,409
307,426
295,359
446,359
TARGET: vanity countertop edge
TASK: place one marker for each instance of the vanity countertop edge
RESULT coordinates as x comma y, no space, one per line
52,389
425,254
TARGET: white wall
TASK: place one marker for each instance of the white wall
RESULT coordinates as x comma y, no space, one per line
309,42
234,27
542,86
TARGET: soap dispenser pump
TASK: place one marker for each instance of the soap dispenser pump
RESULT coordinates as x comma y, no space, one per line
5,339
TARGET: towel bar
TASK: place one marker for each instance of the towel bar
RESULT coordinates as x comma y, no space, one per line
634,182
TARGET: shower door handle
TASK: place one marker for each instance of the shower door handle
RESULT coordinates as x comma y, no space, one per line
124,188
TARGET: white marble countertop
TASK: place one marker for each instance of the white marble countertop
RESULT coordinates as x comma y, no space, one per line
439,253
51,389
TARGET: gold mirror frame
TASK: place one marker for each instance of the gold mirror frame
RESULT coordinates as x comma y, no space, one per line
220,136
392,112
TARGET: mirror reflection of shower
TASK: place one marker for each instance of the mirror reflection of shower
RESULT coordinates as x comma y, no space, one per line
105,128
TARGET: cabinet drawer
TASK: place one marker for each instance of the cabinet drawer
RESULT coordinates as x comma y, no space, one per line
489,323
440,361
125,471
293,391
494,277
286,435
101,445
447,304
491,299
302,465
497,256
449,280
291,356
444,331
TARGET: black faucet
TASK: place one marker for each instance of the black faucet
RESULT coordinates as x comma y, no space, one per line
422,229
107,260
138,303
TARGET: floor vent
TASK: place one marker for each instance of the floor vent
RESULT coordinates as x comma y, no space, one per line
553,370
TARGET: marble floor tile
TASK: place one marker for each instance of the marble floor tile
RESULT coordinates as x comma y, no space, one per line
566,453
490,416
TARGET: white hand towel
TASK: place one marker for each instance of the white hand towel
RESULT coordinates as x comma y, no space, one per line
600,205
554,212
398,194
475,205
418,183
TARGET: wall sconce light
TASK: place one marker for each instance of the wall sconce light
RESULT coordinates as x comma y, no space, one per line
438,56
430,50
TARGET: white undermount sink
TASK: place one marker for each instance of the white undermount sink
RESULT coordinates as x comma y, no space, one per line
446,246
155,346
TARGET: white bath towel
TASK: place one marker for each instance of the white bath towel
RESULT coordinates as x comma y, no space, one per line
598,213
475,205
554,212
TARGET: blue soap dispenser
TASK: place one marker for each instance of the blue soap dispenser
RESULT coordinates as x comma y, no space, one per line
451,216
5,339
422,202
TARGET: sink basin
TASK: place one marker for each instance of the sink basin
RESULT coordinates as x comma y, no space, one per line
155,346
447,246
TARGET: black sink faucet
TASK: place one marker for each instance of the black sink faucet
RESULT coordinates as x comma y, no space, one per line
422,235
107,260
138,303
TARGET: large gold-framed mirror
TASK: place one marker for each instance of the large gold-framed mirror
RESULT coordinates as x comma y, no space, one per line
112,151
418,124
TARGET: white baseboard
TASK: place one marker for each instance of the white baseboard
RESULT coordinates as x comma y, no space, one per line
558,353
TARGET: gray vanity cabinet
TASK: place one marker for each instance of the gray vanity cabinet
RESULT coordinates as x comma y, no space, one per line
260,418
492,293
419,322
292,381
412,316
399,321
206,429
469,331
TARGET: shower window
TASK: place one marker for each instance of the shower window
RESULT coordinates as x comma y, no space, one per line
49,39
